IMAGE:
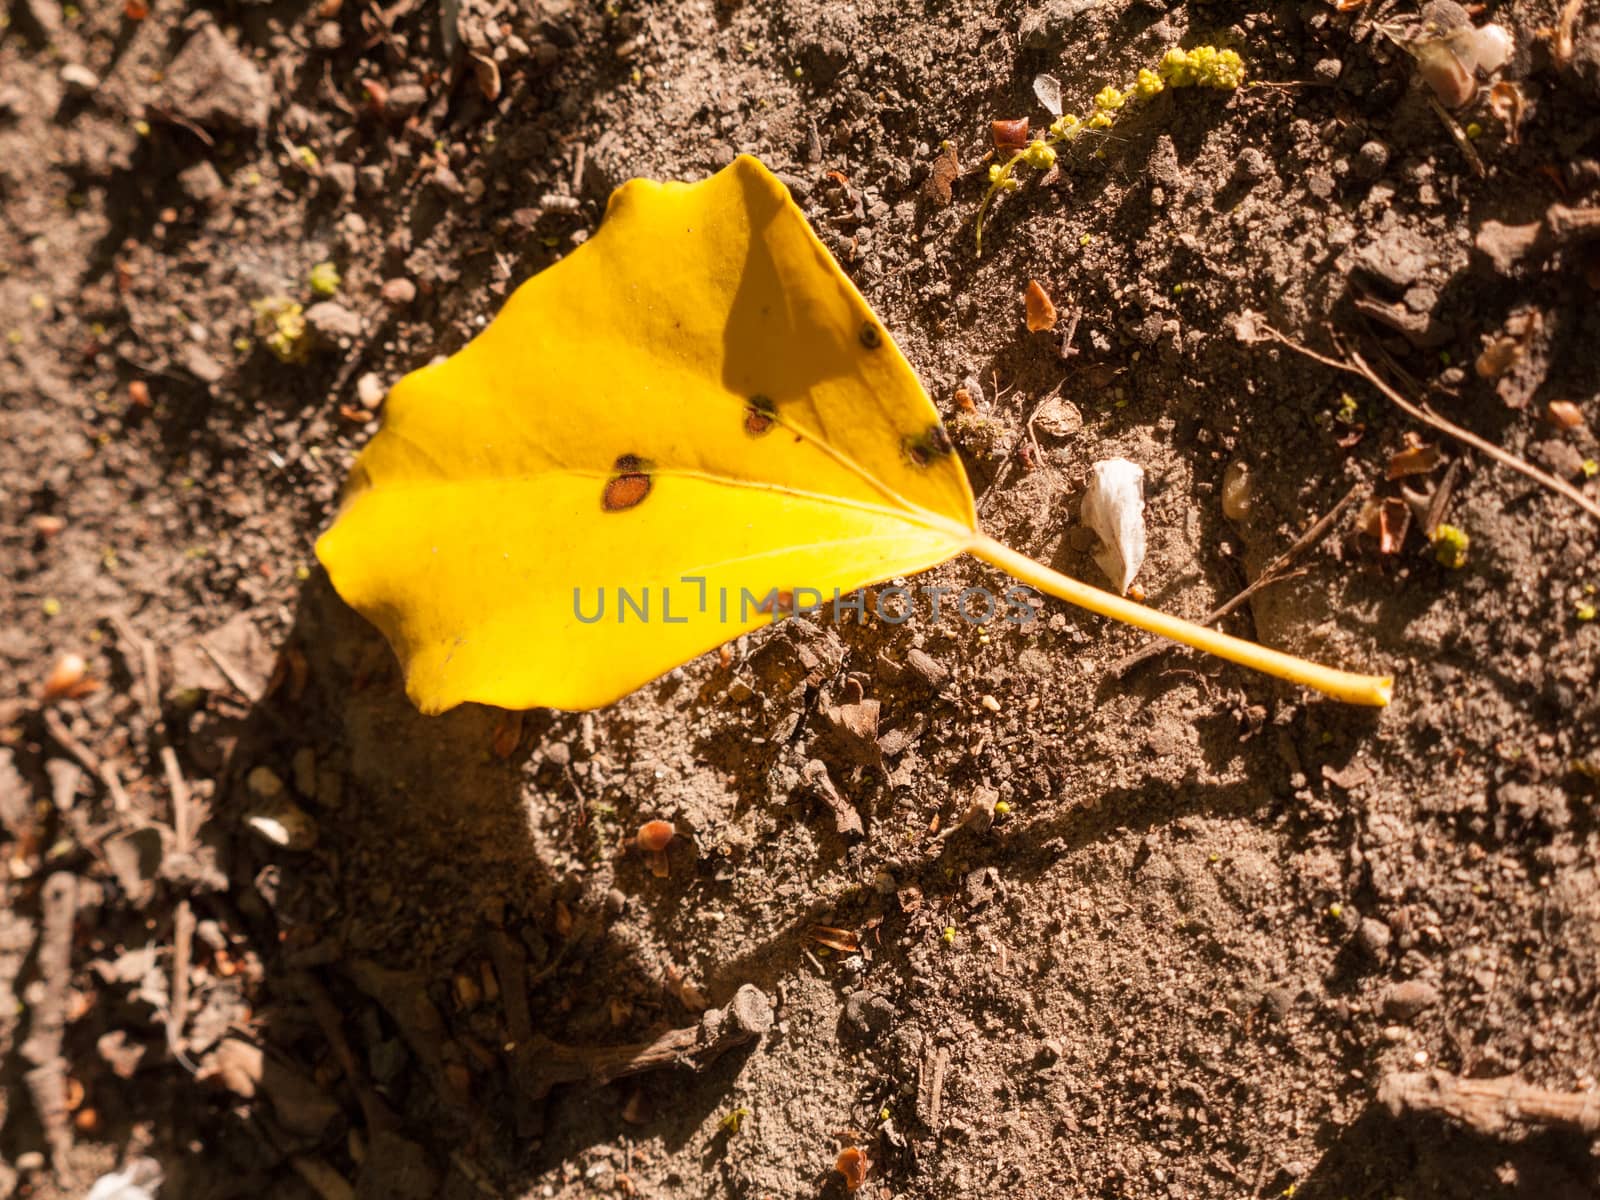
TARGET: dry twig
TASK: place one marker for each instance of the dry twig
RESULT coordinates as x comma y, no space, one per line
148,683
542,1064
1489,1105
47,1077
1356,365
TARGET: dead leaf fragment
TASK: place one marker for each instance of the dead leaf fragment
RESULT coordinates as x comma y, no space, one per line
1415,459
488,76
1010,136
68,679
1564,414
1041,313
853,1164
1508,103
1047,90
942,176
845,818
654,836
1387,521
1563,44
844,941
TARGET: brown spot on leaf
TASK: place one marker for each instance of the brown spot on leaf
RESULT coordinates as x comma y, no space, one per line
924,449
871,338
760,416
629,486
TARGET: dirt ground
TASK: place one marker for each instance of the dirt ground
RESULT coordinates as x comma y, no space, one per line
1213,916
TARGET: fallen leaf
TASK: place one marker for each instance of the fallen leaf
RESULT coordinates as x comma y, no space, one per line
1386,520
1508,103
1415,459
695,404
1041,313
853,1164
842,940
1010,135
1564,414
655,836
845,818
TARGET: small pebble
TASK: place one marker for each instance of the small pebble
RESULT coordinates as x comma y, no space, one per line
398,292
1328,70
79,79
370,391
264,783
1408,1000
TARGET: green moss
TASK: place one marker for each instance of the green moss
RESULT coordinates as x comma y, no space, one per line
1450,546
324,279
281,323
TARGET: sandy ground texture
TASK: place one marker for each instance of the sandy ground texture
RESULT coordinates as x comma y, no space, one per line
994,907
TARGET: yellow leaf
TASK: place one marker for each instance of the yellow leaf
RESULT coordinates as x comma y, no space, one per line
696,407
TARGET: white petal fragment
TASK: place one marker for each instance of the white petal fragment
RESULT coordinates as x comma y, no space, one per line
1047,88
1114,509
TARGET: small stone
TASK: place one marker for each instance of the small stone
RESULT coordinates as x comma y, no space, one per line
212,84
1373,938
931,669
1051,23
79,79
1279,1001
1371,159
370,391
332,321
264,783
1406,1001
1328,70
341,177
1253,164
329,36
869,1014
403,100
399,292
201,183
200,363
283,823
369,181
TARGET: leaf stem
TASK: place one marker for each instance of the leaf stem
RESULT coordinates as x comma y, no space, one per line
1372,690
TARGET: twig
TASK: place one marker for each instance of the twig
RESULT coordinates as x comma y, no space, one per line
378,1115
47,1080
1489,1105
1459,137
1276,571
511,969
101,770
1426,415
542,1064
183,922
1356,365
